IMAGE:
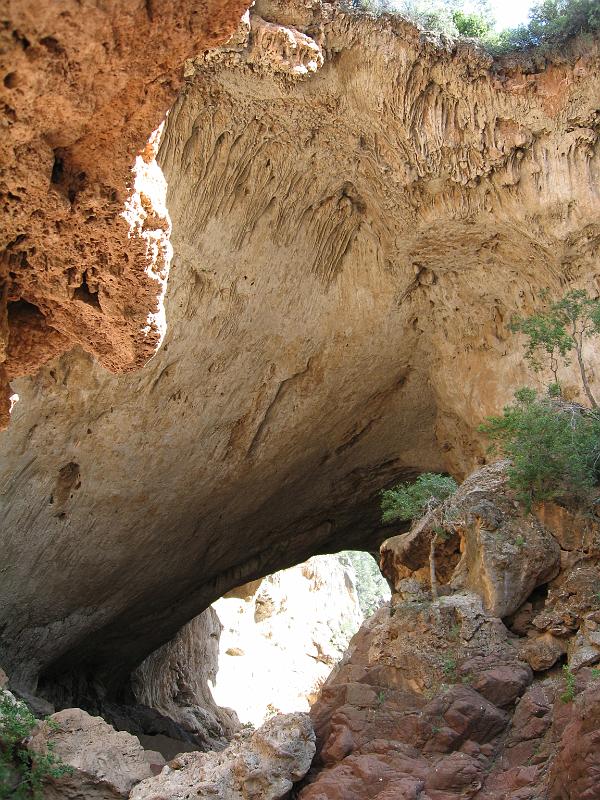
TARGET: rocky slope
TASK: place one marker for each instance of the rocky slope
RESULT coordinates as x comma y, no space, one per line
81,92
441,699
357,209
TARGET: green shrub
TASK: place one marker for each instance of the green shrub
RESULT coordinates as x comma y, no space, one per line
408,501
475,26
551,23
569,693
21,772
554,447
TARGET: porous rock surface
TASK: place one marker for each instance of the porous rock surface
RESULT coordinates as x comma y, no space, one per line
82,89
355,218
264,764
435,698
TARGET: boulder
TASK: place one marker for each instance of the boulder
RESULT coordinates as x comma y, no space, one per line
264,764
106,764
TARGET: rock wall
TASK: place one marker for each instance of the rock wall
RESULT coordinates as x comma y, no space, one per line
441,699
82,90
174,680
282,637
357,210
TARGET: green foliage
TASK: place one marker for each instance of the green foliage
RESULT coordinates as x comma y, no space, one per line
475,26
449,668
595,672
21,772
554,448
551,24
408,501
560,328
569,692
371,587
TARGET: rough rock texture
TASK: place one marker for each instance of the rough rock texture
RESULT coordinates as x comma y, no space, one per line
106,764
82,90
435,699
174,681
262,765
283,637
505,553
350,243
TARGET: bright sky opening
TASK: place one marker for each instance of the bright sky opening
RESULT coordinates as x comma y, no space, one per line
510,13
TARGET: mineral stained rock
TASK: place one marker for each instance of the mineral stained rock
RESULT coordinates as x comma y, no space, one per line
355,218
82,90
434,699
264,764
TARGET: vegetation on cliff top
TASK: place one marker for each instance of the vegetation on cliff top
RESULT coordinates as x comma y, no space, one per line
551,22
553,445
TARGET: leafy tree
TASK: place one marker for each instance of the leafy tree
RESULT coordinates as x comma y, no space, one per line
21,772
371,586
559,329
408,501
554,447
476,26
553,22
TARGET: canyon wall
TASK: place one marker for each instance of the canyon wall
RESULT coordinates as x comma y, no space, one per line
357,209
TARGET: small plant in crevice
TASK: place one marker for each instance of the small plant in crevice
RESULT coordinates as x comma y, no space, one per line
569,693
22,773
449,669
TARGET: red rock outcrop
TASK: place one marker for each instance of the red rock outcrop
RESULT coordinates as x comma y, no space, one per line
82,90
435,699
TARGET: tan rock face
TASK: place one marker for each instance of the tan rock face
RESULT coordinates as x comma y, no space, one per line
81,93
174,680
505,553
106,764
349,247
262,765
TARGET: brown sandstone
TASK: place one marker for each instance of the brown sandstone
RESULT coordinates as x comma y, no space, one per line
355,218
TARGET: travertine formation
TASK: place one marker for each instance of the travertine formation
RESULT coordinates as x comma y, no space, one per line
174,680
440,699
357,210
82,90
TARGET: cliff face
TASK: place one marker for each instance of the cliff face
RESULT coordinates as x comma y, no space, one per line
82,90
357,210
439,698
